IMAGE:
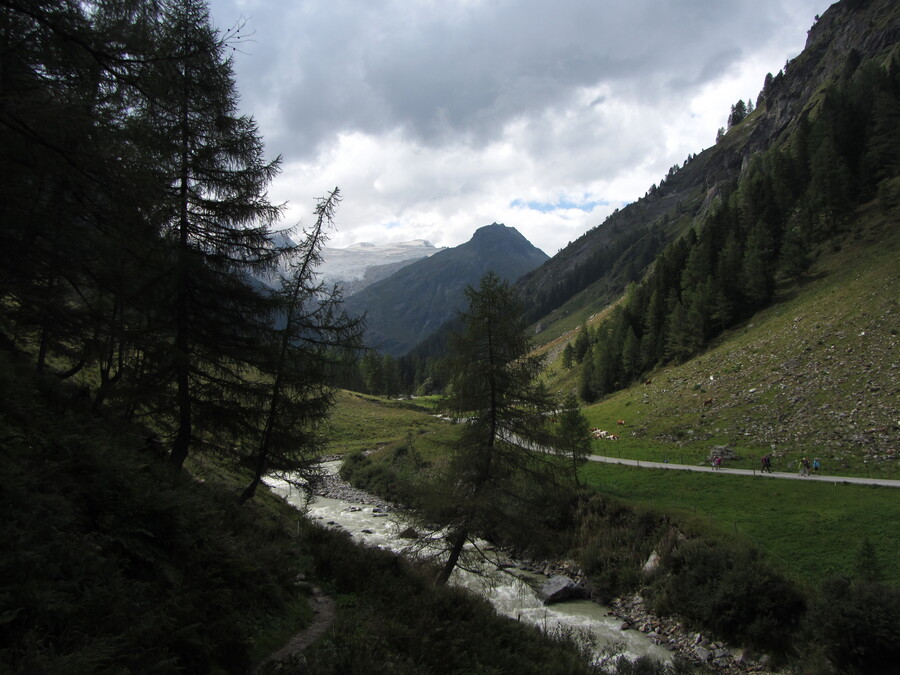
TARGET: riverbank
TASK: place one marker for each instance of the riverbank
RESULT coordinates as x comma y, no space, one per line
670,633
631,611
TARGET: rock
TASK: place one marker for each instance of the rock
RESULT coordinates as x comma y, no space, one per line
702,653
652,563
559,588
409,533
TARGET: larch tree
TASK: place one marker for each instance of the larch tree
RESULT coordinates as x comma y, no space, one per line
573,434
215,218
311,335
502,477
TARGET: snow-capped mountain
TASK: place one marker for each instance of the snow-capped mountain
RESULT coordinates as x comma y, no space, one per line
362,264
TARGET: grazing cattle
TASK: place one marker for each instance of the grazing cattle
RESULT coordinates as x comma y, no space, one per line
708,401
648,381
621,422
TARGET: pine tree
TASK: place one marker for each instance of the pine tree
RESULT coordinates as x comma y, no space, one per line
568,356
70,207
500,480
573,434
215,217
758,268
311,334
631,356
582,342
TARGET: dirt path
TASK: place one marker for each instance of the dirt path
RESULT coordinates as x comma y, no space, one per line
289,659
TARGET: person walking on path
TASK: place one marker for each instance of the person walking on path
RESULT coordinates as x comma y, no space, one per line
804,466
767,463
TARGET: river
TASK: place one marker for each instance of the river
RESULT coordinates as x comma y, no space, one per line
509,594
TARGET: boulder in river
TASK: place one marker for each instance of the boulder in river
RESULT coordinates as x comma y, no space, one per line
559,588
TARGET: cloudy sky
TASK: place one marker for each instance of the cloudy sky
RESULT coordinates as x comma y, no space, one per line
436,117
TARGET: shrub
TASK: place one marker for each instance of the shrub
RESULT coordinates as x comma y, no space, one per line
855,623
615,541
732,593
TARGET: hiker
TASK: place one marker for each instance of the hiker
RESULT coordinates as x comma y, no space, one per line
816,465
717,462
804,466
767,463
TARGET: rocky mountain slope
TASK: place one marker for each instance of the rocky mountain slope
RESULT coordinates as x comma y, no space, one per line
595,269
411,304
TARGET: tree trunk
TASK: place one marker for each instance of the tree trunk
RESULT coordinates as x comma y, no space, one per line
456,547
250,490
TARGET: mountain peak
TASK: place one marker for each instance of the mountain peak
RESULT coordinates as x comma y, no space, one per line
415,301
499,238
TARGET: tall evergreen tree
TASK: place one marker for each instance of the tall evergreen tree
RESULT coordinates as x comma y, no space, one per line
500,478
758,266
215,215
311,334
573,434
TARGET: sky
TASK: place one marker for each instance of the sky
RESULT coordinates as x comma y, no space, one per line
437,117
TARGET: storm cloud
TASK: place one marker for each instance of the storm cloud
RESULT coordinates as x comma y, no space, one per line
438,117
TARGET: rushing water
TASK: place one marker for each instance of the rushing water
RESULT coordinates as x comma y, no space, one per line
508,593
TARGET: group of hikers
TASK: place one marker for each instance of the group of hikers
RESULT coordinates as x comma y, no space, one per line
805,468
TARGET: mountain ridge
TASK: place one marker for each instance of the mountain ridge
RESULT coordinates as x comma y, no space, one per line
595,269
407,307
363,263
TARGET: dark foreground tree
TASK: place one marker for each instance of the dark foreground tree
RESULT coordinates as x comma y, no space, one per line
502,481
215,215
312,334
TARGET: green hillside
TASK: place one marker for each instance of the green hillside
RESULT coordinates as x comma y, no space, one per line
815,374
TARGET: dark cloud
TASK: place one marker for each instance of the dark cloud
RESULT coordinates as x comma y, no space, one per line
440,70
438,116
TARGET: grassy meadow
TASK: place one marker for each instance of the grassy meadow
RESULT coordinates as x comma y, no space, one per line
808,530
368,423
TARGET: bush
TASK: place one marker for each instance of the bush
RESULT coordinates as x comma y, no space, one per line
732,593
615,541
855,623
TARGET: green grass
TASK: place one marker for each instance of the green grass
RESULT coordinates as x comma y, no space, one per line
360,422
809,530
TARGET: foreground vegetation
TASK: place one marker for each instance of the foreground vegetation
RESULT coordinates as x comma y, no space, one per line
758,562
112,561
